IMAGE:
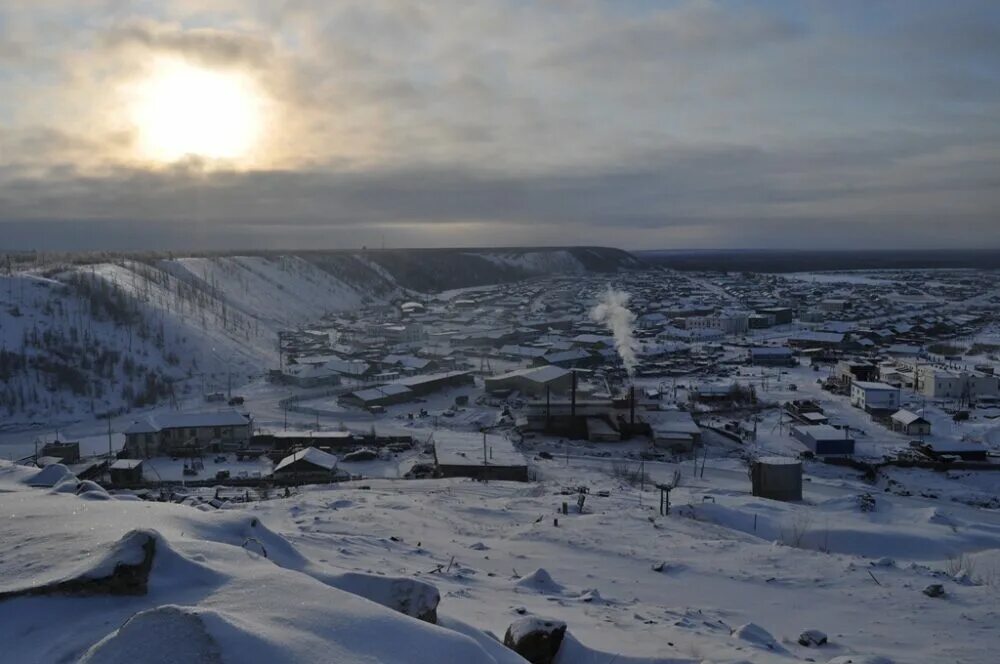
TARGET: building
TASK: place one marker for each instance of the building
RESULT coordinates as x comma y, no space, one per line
846,372
480,456
874,396
780,315
126,472
824,440
286,440
727,323
186,434
772,356
307,466
675,430
65,452
382,395
910,423
940,382
599,430
534,382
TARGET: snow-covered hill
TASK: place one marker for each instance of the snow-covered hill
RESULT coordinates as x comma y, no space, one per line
81,339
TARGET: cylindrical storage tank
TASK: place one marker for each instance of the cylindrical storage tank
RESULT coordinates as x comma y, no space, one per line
777,478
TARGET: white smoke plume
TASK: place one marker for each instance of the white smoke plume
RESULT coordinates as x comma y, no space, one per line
612,310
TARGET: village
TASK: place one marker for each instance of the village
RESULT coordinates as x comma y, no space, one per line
856,370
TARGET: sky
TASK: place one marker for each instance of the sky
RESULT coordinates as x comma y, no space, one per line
255,124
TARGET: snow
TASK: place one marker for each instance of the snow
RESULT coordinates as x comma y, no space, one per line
312,455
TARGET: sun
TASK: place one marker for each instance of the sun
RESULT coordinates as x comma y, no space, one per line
182,110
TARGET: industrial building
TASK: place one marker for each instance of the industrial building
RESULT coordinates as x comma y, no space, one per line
772,356
533,382
480,456
824,440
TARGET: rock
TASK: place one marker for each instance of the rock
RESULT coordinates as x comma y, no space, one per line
812,638
178,633
540,581
417,599
755,634
124,570
884,562
659,567
535,639
934,590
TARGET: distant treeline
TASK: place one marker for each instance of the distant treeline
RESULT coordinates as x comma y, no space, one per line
811,261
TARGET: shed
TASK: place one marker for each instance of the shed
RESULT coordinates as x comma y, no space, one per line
599,431
308,465
909,423
777,478
126,472
824,439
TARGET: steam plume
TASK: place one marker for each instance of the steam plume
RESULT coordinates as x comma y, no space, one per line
612,310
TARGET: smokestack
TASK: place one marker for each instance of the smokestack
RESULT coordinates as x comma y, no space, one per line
631,404
572,402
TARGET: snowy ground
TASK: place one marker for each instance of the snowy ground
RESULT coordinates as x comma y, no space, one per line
494,553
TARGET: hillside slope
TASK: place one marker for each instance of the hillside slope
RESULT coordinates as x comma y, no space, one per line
81,337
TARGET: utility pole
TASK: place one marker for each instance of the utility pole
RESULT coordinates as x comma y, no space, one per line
110,453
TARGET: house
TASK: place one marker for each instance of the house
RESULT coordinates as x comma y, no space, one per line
126,472
532,382
772,356
910,423
482,456
874,396
186,434
307,466
824,440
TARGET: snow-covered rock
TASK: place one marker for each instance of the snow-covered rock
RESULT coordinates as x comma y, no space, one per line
535,639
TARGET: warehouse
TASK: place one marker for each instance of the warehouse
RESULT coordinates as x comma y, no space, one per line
772,356
532,382
383,395
480,456
824,439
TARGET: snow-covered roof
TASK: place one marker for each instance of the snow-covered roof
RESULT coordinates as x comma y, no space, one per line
906,417
311,455
822,432
460,448
126,464
544,374
873,387
171,420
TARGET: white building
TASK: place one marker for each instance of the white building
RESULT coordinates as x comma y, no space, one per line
874,396
939,382
725,322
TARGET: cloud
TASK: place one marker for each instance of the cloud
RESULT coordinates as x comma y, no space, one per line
628,123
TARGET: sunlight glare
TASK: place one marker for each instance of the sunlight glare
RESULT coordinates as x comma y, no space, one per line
184,110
